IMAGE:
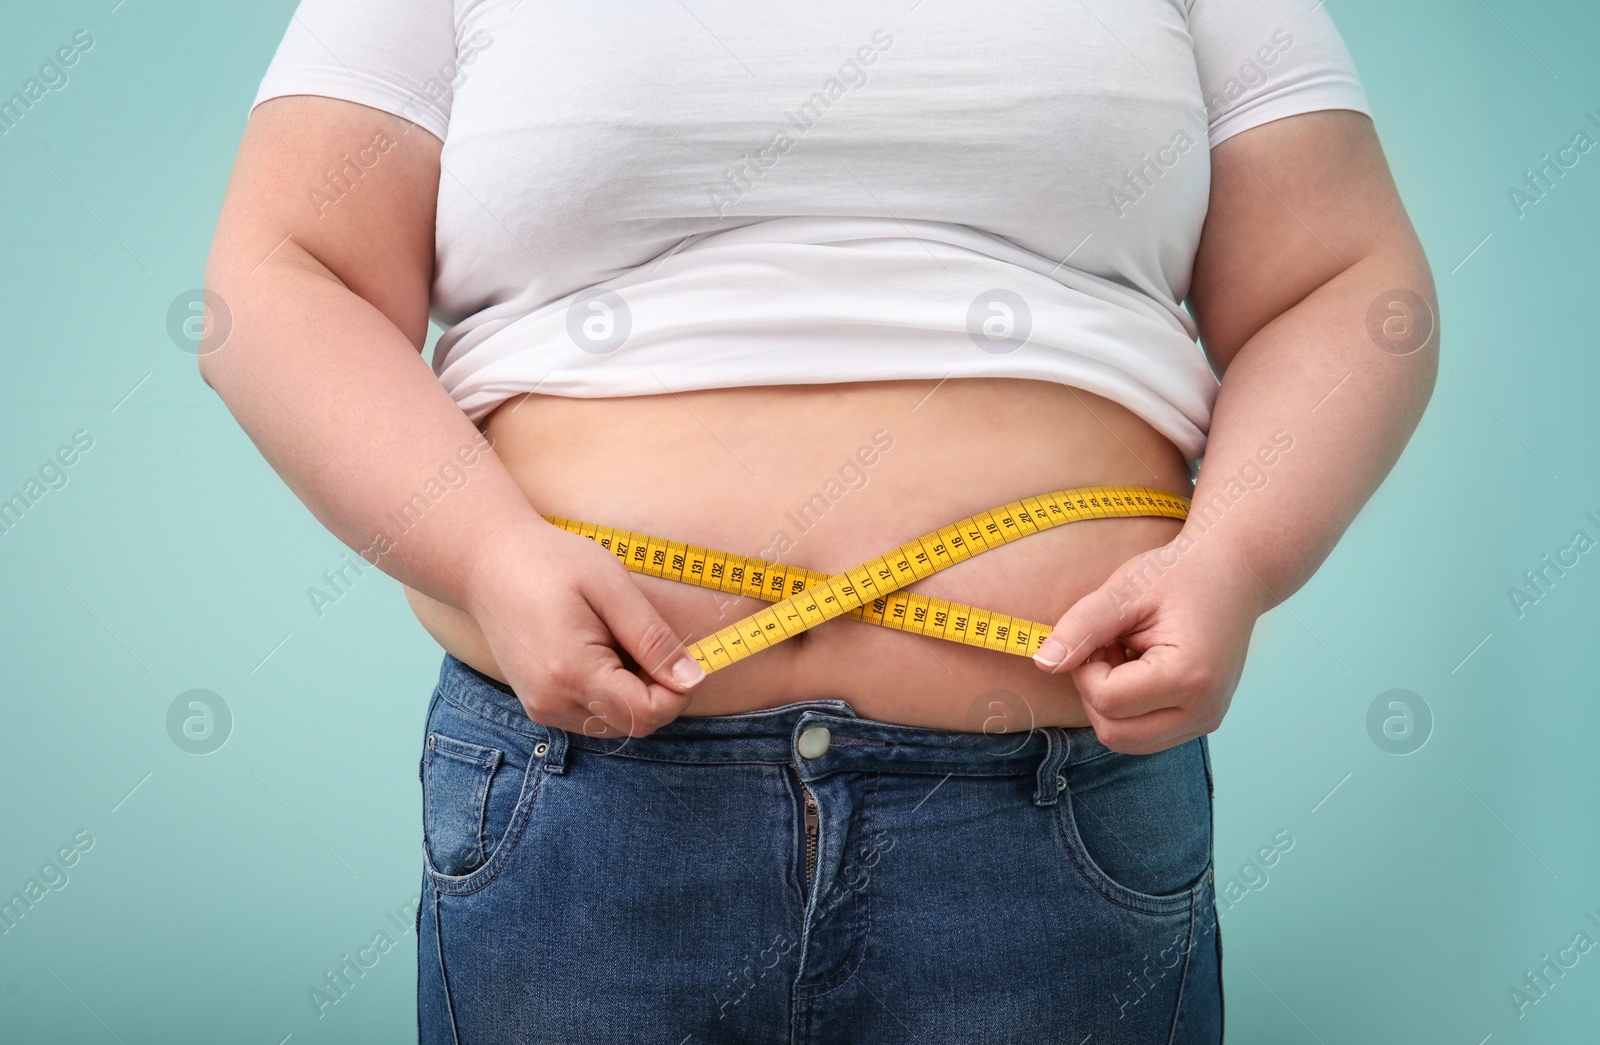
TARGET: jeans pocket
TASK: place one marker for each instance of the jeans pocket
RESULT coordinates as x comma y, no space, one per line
478,780
455,796
1138,827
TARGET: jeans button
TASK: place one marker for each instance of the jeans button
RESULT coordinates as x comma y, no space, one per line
814,742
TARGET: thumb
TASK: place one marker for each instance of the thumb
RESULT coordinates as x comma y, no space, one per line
1093,622
637,627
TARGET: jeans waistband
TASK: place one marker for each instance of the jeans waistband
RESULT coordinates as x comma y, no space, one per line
773,736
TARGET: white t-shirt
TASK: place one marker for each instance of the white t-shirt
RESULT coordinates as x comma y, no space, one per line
643,197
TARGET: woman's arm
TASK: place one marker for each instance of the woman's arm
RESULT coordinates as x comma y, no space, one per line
1315,302
329,310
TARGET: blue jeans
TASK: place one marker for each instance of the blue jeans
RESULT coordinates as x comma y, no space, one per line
805,875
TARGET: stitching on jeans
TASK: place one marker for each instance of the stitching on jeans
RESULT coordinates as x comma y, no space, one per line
1137,855
502,853
1104,884
489,763
997,774
525,726
775,761
1157,905
1210,910
865,905
1183,980
1211,862
444,977
931,766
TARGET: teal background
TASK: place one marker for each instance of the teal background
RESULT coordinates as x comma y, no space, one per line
219,888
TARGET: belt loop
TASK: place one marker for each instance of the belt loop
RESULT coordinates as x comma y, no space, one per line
555,759
1057,746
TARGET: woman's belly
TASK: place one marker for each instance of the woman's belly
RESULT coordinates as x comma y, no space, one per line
829,476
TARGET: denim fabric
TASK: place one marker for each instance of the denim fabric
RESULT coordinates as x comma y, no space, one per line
1032,888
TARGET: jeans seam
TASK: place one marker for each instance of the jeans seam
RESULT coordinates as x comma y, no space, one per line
444,977
1183,976
1211,806
536,732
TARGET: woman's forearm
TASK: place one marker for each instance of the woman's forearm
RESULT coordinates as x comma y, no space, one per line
1312,413
341,405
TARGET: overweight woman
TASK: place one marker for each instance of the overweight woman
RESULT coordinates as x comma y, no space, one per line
780,291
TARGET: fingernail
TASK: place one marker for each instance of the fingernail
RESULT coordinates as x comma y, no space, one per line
687,672
1050,654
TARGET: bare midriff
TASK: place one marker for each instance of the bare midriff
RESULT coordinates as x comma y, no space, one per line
830,476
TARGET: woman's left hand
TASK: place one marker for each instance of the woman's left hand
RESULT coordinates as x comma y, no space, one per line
1157,650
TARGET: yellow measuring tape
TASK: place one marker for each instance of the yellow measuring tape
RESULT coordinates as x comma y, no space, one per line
870,592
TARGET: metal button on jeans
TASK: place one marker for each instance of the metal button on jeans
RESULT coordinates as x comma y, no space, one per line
814,742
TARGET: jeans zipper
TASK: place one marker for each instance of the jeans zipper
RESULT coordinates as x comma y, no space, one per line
812,822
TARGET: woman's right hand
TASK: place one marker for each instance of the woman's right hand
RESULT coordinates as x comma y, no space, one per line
553,606
320,365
